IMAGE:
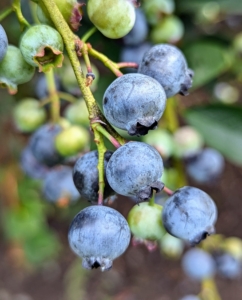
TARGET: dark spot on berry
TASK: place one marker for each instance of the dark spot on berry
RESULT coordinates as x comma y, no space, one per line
95,265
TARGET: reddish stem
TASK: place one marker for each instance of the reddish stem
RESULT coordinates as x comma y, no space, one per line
168,191
127,64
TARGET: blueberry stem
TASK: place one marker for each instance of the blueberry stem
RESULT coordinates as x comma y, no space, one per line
84,51
67,97
209,290
170,115
152,199
101,151
105,133
168,191
172,124
55,101
89,33
17,9
128,64
105,60
71,41
5,12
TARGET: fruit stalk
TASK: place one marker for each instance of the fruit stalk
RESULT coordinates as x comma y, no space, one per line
70,44
89,33
104,132
54,98
17,9
209,290
101,151
4,13
105,60
172,124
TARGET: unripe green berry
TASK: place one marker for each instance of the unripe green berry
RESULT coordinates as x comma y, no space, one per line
70,9
188,141
169,30
42,47
114,18
161,140
14,70
28,115
77,113
145,221
72,140
171,246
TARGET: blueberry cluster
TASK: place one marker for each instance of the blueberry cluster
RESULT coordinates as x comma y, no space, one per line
59,153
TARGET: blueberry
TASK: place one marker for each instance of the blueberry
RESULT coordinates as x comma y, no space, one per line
3,42
135,170
190,297
139,32
162,141
145,222
14,70
156,9
28,122
228,266
85,176
42,47
99,234
42,144
171,246
190,214
188,142
134,54
168,66
31,166
169,29
134,102
206,166
198,264
58,184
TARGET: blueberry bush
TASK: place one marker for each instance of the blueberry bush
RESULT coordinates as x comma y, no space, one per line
117,118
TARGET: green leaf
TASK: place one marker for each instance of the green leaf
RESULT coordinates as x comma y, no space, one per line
45,245
221,127
208,60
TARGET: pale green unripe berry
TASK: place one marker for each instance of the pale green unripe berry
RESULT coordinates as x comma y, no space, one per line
77,113
114,18
145,221
28,115
72,140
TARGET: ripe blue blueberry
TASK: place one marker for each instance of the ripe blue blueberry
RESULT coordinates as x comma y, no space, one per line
31,167
139,32
42,144
58,184
168,66
198,264
134,102
99,234
3,42
190,297
228,266
190,214
134,54
206,166
85,176
134,170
